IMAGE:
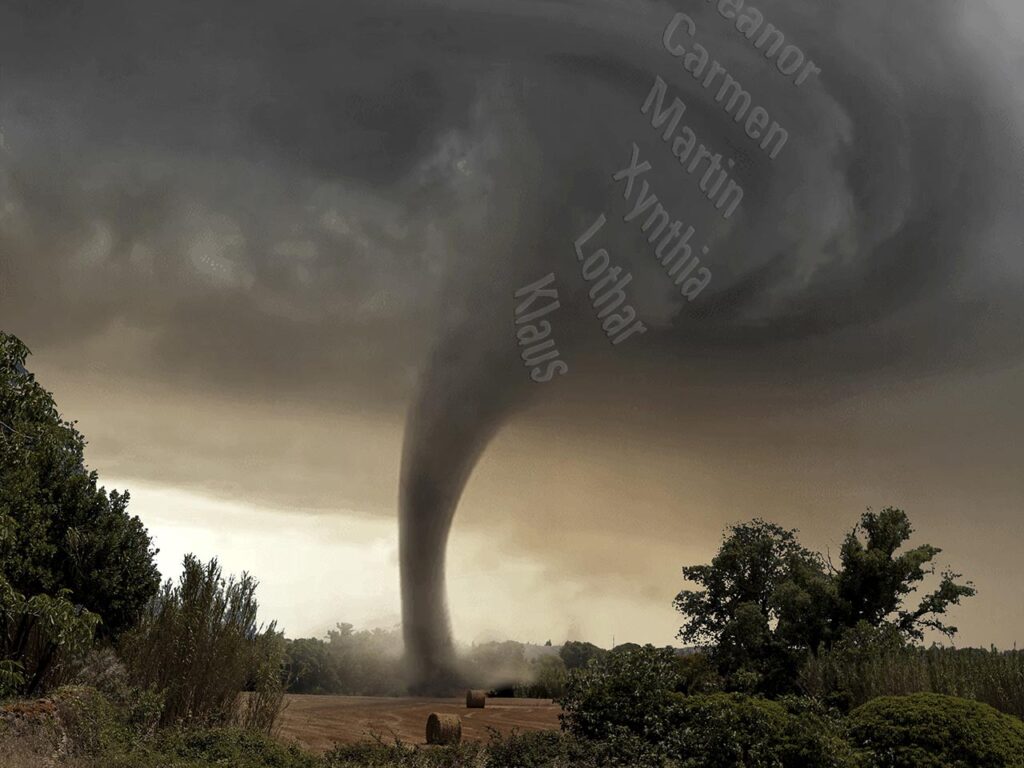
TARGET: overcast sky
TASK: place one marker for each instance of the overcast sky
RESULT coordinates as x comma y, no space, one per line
234,234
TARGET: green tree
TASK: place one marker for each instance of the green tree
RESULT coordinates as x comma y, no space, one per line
875,578
577,654
736,612
765,602
72,560
64,534
310,667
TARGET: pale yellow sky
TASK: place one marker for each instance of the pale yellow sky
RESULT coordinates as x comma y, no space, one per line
563,531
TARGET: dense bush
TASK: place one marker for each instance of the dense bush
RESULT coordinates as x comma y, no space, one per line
200,644
698,674
620,695
630,702
138,708
738,731
928,730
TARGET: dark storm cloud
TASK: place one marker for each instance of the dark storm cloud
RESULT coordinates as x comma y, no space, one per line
281,173
298,198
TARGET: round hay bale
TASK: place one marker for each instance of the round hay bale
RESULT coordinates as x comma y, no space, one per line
476,699
444,729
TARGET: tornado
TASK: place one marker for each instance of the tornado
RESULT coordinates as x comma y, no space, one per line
454,416
895,185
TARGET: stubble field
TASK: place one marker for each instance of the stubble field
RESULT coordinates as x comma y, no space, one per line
318,722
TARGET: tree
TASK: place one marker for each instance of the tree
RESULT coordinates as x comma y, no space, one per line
311,667
875,579
577,654
765,602
623,647
734,612
548,676
64,534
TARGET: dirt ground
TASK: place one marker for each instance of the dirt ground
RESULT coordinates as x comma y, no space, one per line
317,722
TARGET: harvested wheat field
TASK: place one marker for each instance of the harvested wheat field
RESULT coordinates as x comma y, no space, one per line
317,722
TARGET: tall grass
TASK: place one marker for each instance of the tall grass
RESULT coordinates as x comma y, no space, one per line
200,644
990,676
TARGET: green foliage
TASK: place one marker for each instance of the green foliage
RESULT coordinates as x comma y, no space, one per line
539,749
312,668
61,535
550,675
928,730
199,644
233,747
369,661
547,679
93,725
875,578
12,678
621,695
139,709
576,655
738,731
629,701
379,754
739,600
765,604
869,663
350,662
498,664
265,700
39,637
697,674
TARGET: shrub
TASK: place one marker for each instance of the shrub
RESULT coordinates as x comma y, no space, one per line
200,645
232,747
91,722
619,695
737,731
576,655
992,677
538,749
929,730
866,663
352,662
398,755
139,709
551,749
697,674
